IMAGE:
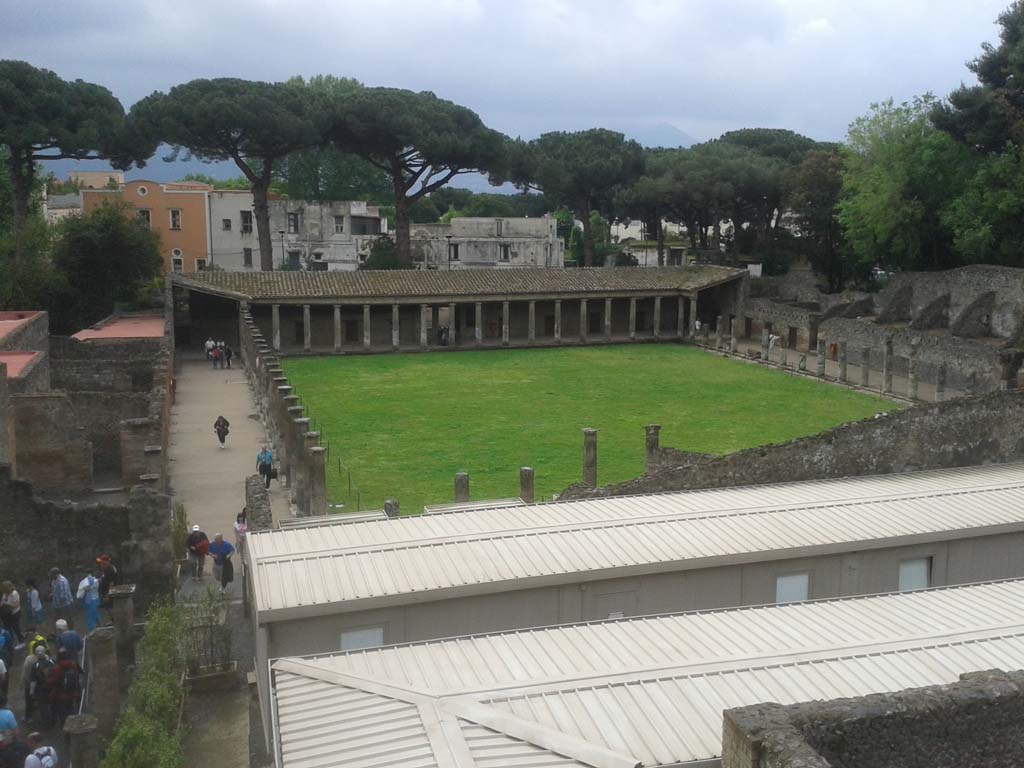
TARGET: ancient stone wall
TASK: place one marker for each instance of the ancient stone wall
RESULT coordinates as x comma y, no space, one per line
975,723
956,433
52,450
31,337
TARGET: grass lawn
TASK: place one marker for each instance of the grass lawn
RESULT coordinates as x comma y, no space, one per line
403,425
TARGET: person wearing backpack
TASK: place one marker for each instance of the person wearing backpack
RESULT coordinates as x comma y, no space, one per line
89,593
39,688
41,755
65,686
70,641
198,544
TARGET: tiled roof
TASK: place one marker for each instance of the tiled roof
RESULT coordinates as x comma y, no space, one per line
263,286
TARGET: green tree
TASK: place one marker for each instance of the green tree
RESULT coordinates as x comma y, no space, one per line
104,258
239,182
383,255
255,124
424,211
582,170
901,175
987,220
778,143
817,189
420,141
43,117
325,174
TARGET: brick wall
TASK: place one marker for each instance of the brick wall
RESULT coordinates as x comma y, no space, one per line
975,723
956,433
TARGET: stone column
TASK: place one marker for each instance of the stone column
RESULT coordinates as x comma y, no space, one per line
583,320
865,367
764,345
424,316
912,373
307,330
531,321
317,480
887,368
681,319
733,343
337,327
608,319
452,324
819,362
105,682
632,319
392,508
504,323
940,383
558,321
395,327
783,356
275,321
657,317
651,447
590,458
842,362
366,326
461,487
80,741
478,329
300,489
526,484
693,315
124,624
718,332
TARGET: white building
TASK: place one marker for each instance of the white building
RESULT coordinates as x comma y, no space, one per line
305,235
474,243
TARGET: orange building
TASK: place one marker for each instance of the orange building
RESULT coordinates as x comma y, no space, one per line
177,211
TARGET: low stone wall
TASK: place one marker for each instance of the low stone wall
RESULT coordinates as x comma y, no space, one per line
958,433
257,504
975,723
30,337
40,534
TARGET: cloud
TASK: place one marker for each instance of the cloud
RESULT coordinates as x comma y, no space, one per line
527,66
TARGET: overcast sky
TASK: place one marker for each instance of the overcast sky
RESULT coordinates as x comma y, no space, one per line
702,66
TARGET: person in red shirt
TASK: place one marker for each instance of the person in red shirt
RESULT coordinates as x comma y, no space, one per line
65,686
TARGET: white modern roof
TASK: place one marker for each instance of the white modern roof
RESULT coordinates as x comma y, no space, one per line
331,569
633,692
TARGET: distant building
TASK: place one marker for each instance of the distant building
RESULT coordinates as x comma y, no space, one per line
234,241
177,211
57,207
473,243
328,236
97,179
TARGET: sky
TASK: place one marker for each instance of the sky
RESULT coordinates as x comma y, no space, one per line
655,69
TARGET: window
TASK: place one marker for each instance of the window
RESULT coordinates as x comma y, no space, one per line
146,216
498,227
178,264
362,258
200,265
245,222
505,252
293,223
792,588
339,225
915,574
247,257
176,252
362,637
225,225
143,191
293,259
175,215
453,251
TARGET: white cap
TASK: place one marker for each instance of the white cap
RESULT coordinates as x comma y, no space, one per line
62,626
195,527
40,650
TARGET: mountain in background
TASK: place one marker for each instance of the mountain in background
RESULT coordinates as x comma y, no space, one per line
659,135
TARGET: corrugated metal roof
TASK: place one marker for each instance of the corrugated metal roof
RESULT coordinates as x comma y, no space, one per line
414,283
668,710
331,569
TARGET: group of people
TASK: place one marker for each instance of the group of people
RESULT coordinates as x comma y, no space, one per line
218,353
200,547
52,671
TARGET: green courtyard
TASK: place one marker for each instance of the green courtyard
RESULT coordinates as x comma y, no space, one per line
401,426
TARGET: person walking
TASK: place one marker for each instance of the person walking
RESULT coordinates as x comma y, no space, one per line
228,354
39,687
65,687
209,348
10,612
220,354
198,545
61,599
35,605
265,464
89,593
214,356
41,755
70,641
241,528
109,577
223,570
222,427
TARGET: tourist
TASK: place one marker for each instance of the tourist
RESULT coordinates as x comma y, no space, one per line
265,464
5,678
220,354
36,639
198,545
223,570
228,354
214,356
65,687
8,736
41,755
35,605
38,688
70,641
209,348
221,427
60,595
241,528
89,593
10,612
109,576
